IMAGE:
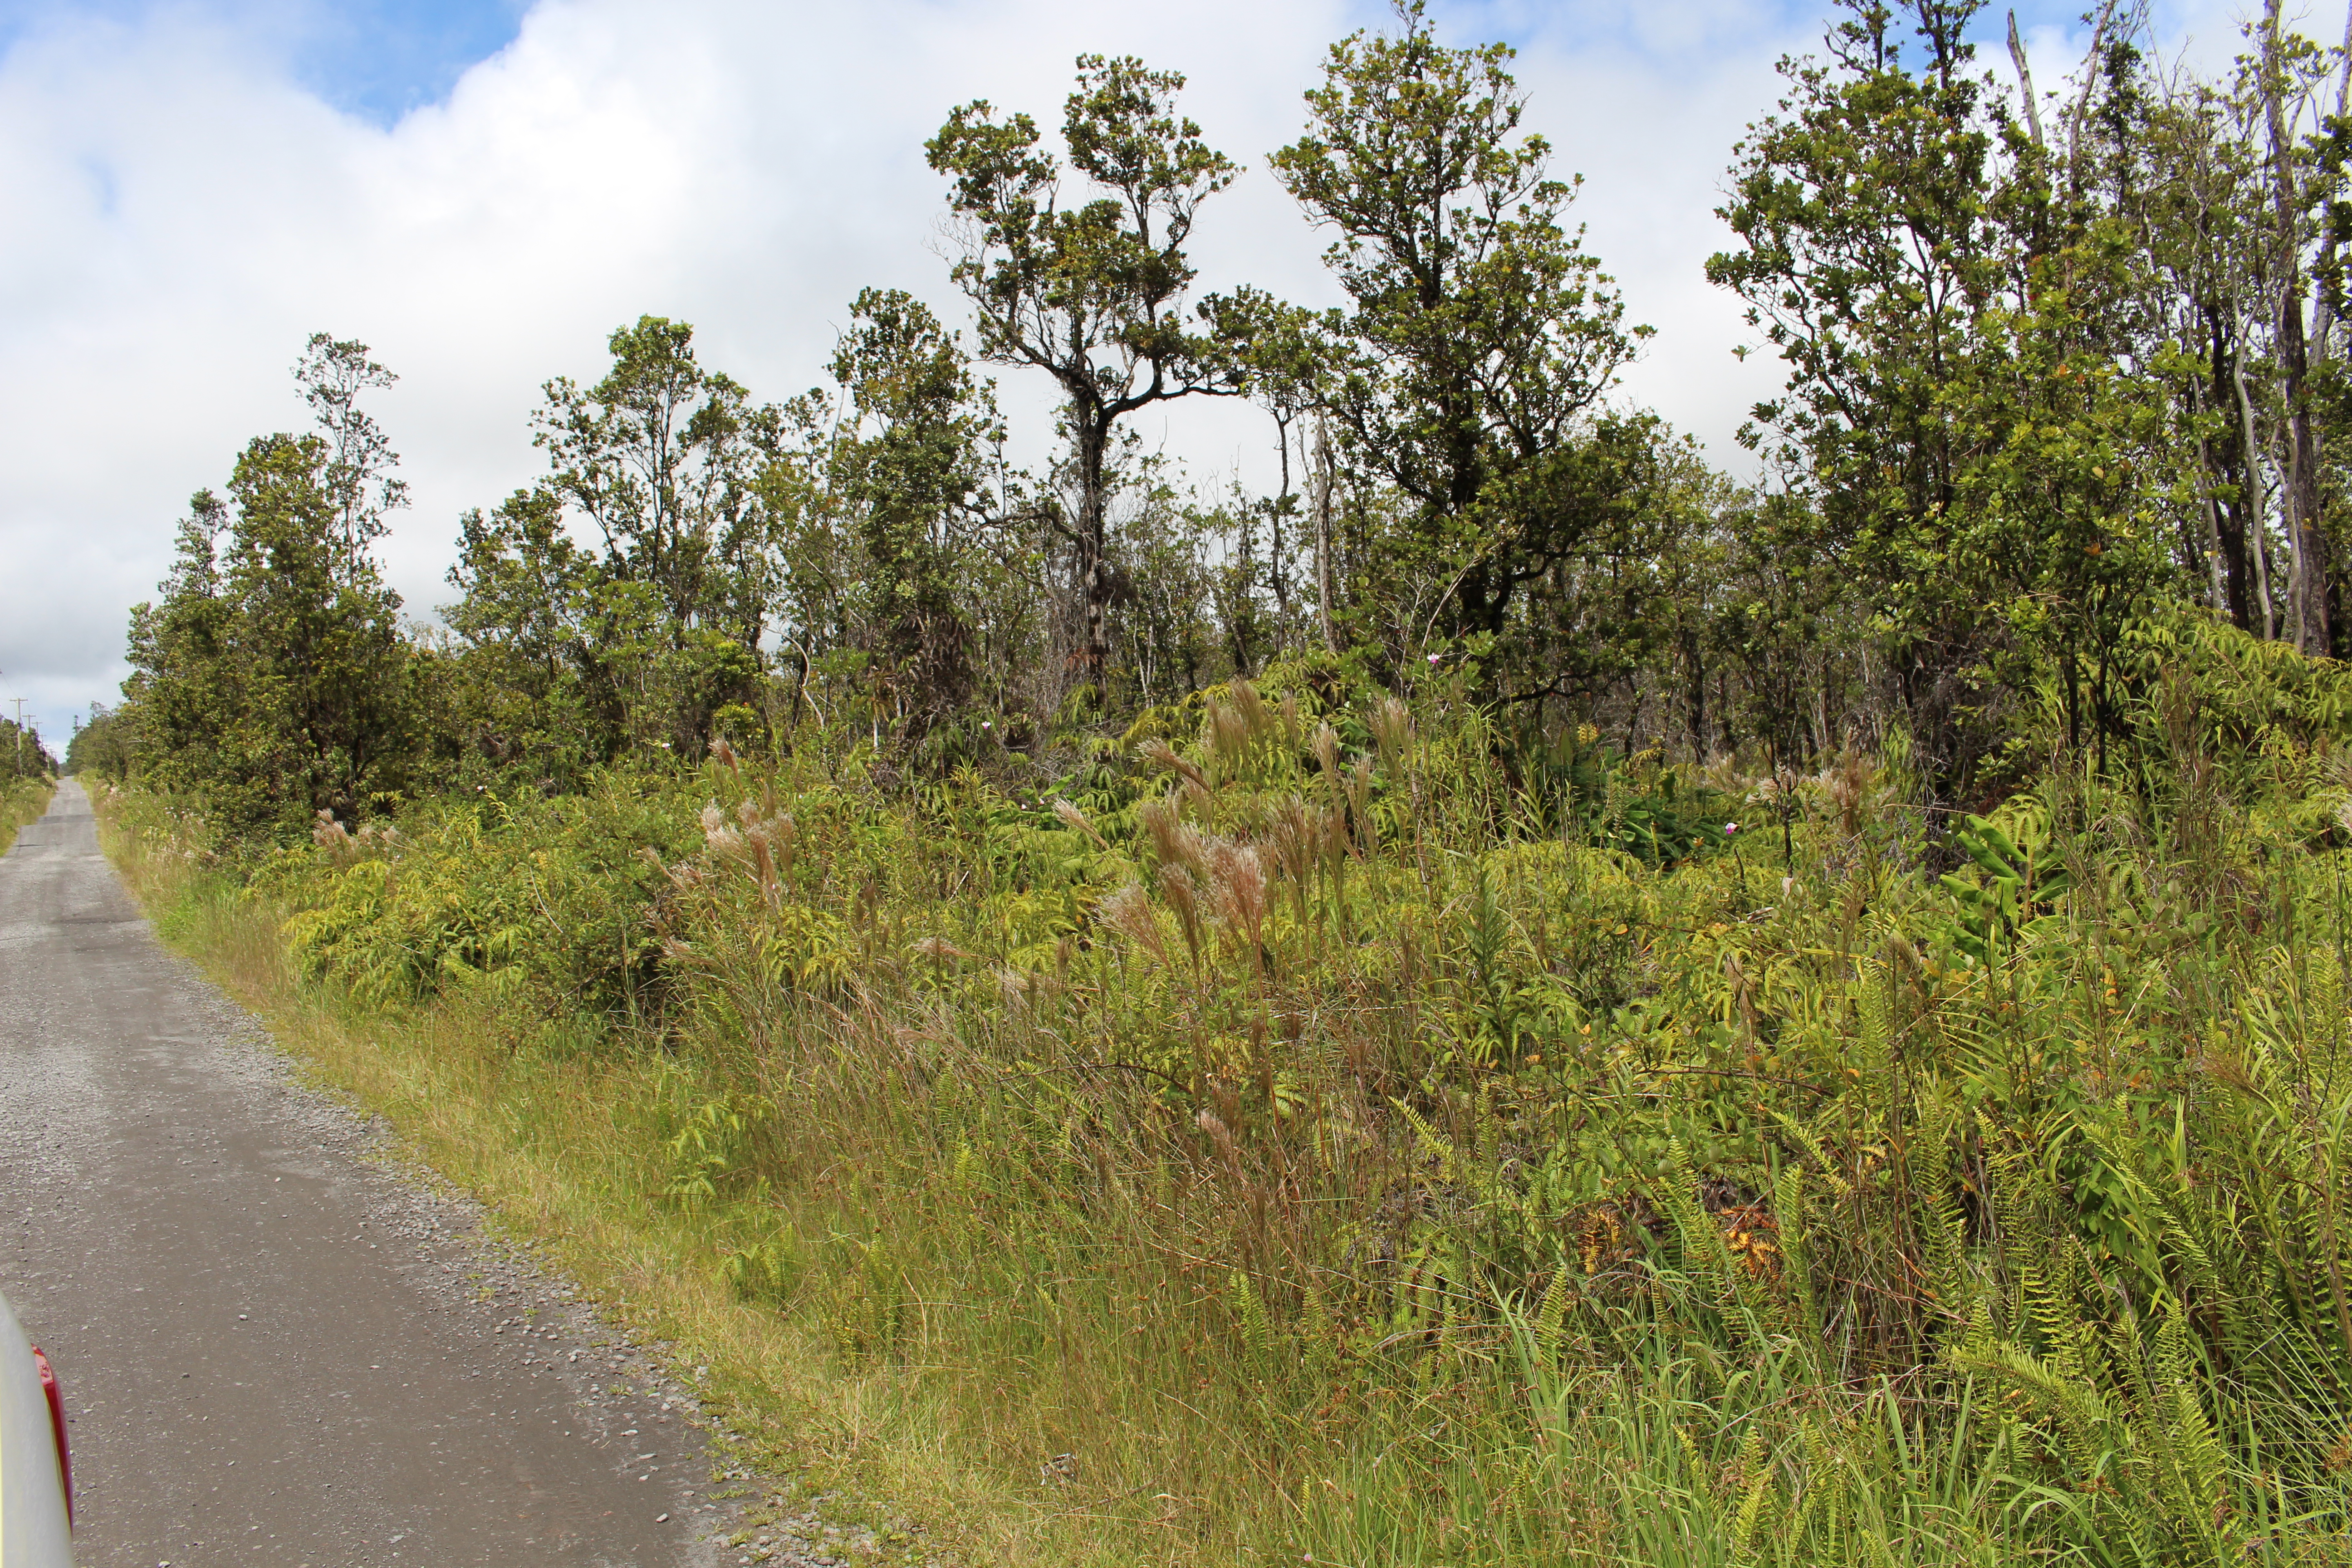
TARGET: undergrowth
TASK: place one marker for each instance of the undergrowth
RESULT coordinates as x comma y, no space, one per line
1356,1137
22,800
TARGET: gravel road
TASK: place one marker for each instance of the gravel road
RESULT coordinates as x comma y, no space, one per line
279,1348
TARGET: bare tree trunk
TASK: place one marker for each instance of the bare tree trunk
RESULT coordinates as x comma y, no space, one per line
2024,80
2231,462
2307,577
2257,499
1274,540
2307,584
1821,673
2324,319
1094,572
1322,483
2081,108
1695,669
2212,514
2323,314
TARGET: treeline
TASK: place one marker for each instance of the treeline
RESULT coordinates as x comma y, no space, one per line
2056,362
22,754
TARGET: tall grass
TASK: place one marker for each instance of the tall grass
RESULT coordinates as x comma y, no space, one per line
22,800
1313,1140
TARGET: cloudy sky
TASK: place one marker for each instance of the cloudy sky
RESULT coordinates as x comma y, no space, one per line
483,189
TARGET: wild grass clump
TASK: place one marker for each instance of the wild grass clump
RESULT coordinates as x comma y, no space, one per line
1315,1140
23,798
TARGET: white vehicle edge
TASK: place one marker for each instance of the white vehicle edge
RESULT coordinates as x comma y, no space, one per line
36,1507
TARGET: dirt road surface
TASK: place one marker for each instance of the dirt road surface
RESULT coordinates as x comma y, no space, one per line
279,1350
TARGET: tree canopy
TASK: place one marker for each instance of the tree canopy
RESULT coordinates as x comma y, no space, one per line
2057,366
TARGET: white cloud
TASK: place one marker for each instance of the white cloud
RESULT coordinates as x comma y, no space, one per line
182,215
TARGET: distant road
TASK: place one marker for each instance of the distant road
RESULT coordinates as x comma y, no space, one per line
277,1352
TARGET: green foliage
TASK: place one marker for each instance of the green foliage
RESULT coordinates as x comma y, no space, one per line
915,483
101,745
272,678
22,800
2013,886
574,658
1685,1207
2046,390
1483,336
1573,785
1950,322
1091,294
22,754
526,900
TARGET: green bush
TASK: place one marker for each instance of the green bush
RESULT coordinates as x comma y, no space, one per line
521,897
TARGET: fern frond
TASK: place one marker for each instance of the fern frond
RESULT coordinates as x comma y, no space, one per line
1755,1501
1812,1145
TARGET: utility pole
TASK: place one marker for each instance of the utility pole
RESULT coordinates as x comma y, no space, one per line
20,735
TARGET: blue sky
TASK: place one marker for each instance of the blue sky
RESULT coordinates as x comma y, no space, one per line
377,59
482,191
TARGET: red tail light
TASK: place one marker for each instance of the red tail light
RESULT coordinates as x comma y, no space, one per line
50,1391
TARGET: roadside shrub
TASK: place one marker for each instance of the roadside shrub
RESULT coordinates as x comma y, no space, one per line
526,899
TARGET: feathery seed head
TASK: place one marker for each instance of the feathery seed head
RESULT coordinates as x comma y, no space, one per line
1076,819
1241,888
1225,734
1252,708
1163,755
1129,913
1172,840
1391,726
1176,885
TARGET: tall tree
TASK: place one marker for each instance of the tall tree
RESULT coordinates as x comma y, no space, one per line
2197,229
1092,294
1286,353
913,468
672,465
1976,435
332,372
537,683
272,679
664,459
1483,335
